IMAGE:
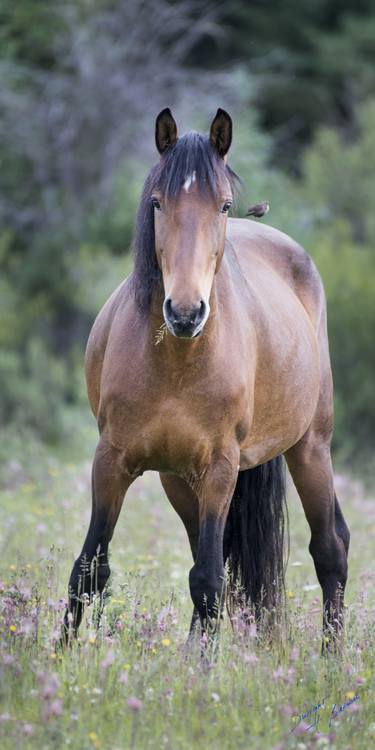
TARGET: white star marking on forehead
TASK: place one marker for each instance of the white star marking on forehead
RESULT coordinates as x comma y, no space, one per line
189,181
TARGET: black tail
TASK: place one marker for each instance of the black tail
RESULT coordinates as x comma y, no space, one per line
254,535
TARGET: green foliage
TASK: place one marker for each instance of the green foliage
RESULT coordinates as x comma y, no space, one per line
28,31
339,194
314,63
340,176
32,387
348,273
45,316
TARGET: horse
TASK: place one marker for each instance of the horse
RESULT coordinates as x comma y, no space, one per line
210,364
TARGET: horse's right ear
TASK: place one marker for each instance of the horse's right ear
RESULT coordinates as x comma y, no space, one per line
165,130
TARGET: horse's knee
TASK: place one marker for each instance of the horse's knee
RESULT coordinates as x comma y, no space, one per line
206,591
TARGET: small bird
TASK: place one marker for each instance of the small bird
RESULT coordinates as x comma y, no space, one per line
259,210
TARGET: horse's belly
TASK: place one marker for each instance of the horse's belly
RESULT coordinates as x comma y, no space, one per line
285,399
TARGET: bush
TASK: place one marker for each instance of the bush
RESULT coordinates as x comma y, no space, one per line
33,386
348,273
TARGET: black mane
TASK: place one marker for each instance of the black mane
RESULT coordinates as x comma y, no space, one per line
192,152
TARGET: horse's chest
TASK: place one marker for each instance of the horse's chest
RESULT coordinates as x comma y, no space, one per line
175,428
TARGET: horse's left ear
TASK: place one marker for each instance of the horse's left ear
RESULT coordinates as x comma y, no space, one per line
165,130
221,132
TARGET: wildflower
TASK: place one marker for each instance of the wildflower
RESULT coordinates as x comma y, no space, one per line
290,594
109,659
124,678
350,694
252,630
288,710
311,586
93,737
28,730
54,709
166,642
278,674
12,628
250,658
215,697
50,684
294,654
301,729
134,704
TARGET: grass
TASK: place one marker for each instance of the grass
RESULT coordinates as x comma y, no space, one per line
131,685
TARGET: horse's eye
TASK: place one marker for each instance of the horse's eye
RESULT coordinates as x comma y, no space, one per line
156,203
226,207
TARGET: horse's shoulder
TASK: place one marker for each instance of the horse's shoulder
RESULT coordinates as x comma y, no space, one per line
98,338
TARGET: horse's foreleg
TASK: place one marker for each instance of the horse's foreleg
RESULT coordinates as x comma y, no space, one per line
185,502
91,569
207,579
310,466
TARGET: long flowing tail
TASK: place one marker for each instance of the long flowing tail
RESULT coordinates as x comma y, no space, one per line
255,534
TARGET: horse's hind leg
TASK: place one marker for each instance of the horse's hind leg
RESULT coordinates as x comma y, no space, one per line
309,462
91,569
185,503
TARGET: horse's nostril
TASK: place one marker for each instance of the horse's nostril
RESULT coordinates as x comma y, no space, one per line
168,308
202,310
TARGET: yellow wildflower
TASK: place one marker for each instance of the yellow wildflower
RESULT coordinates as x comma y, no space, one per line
166,642
93,737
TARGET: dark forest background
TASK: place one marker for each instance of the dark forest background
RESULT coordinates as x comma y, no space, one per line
80,85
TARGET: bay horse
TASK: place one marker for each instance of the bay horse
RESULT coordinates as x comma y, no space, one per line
208,364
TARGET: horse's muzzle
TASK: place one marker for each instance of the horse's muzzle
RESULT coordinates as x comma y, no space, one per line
184,322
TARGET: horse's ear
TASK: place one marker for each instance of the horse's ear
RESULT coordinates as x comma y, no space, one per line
221,132
165,130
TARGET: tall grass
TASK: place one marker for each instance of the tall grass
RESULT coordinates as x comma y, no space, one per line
131,684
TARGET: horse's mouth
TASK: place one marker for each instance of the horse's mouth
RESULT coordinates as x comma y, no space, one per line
184,332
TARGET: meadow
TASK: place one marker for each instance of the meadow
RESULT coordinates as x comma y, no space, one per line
131,683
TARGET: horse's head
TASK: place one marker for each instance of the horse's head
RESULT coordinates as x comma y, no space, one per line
191,194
